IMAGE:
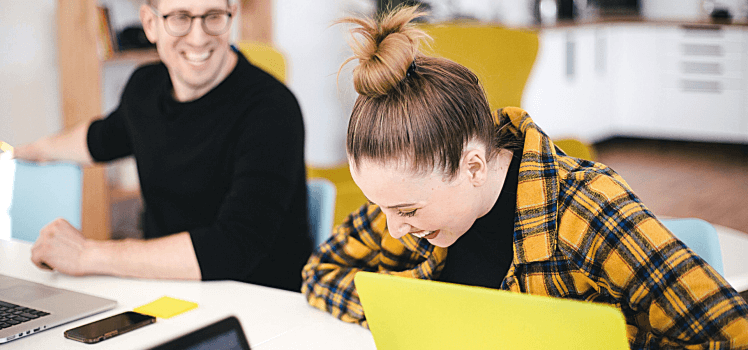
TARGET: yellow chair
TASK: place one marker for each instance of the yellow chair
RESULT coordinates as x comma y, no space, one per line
265,57
501,57
348,196
576,148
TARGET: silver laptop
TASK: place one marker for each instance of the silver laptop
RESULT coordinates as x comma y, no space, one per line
28,307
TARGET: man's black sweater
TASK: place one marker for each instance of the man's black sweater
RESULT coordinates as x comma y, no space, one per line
227,167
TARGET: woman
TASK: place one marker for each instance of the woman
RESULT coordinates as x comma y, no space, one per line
460,195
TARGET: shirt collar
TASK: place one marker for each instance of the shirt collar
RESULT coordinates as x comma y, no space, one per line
535,226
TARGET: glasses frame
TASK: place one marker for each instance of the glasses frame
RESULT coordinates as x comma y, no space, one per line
202,17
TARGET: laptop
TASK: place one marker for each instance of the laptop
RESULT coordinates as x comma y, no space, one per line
408,313
226,334
28,307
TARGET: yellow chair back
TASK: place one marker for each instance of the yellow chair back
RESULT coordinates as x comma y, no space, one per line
501,57
265,57
348,196
576,148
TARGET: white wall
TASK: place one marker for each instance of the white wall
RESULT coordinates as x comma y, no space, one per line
314,51
29,79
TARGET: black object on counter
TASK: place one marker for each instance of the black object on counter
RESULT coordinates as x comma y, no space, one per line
133,38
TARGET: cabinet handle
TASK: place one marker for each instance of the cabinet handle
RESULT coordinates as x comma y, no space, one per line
702,50
570,57
708,68
701,86
702,31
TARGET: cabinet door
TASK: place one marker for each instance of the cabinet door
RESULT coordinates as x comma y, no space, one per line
568,93
702,76
635,78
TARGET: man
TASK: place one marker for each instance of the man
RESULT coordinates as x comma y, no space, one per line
219,148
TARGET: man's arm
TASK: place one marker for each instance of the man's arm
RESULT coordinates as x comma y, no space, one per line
69,145
62,247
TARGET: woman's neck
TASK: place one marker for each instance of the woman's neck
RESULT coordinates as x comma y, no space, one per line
497,176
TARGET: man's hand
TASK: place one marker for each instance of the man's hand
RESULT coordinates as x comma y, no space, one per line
60,247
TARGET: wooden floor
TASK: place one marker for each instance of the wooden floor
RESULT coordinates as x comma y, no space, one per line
683,179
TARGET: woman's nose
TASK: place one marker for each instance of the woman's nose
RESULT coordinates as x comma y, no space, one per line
397,226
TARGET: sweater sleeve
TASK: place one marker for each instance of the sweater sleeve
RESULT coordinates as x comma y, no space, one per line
267,161
108,138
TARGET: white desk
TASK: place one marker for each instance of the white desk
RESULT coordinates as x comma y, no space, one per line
271,318
734,245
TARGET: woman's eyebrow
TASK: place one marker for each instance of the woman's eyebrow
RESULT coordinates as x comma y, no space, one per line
404,205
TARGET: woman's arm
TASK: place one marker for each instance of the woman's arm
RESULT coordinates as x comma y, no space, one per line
328,275
671,297
362,243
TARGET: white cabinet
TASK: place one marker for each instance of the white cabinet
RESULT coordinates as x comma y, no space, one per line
703,82
634,80
660,81
571,66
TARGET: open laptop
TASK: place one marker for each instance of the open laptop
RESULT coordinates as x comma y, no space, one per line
28,307
226,334
407,313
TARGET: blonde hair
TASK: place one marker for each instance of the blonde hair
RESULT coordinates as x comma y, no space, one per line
412,106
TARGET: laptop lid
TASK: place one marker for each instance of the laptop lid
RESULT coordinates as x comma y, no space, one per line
408,313
226,334
56,306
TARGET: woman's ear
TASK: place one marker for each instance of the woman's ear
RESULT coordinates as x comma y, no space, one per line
475,166
149,21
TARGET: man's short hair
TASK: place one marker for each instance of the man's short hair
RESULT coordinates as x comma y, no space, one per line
154,3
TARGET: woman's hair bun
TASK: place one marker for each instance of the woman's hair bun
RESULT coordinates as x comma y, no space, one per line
385,49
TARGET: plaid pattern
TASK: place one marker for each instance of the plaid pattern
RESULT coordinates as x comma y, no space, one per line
580,233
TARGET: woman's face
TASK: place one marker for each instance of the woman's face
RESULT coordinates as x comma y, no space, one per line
425,206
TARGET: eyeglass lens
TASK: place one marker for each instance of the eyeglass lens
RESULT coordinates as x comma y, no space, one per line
213,23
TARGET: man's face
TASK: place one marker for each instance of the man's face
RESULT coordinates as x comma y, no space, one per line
197,61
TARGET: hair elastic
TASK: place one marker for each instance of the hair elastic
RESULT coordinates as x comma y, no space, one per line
411,69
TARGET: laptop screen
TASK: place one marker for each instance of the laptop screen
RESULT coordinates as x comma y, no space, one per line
226,334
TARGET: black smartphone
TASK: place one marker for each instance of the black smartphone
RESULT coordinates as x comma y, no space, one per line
106,328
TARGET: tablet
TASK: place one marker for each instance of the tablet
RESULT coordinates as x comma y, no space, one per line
226,334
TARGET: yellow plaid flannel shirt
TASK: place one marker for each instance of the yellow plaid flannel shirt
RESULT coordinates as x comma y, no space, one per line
579,233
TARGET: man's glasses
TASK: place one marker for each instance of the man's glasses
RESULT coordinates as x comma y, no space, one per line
180,23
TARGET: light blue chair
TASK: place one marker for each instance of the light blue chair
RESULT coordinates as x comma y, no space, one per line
321,207
700,236
41,194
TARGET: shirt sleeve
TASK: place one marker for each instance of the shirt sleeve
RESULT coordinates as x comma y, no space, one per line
108,138
362,243
328,275
670,296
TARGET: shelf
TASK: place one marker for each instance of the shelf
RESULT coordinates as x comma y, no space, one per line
122,194
137,55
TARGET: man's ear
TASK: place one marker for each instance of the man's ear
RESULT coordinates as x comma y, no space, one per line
149,21
475,166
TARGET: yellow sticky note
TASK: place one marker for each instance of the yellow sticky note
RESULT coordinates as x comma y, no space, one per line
166,307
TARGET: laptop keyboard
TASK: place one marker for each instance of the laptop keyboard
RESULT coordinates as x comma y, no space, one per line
12,314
